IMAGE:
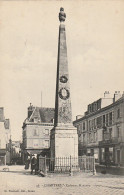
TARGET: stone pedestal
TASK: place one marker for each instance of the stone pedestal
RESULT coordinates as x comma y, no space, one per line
64,142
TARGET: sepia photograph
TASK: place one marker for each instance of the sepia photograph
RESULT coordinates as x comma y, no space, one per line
61,97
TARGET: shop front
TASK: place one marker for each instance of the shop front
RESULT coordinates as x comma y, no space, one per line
107,155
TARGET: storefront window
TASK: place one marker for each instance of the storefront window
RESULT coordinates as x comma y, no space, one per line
88,152
111,154
96,154
102,154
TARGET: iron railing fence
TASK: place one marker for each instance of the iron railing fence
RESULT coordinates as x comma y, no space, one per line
66,164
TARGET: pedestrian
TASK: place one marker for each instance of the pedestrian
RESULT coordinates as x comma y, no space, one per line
27,164
34,165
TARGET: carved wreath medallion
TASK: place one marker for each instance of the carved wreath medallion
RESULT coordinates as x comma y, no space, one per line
63,79
64,93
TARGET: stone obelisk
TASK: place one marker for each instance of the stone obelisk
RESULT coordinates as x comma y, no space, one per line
63,139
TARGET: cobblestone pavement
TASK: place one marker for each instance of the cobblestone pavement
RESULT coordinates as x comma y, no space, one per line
20,181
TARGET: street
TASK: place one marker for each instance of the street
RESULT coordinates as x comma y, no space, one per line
19,181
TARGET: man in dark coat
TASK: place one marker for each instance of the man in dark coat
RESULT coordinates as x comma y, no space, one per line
33,165
27,164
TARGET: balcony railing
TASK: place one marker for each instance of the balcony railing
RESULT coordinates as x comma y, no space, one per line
112,140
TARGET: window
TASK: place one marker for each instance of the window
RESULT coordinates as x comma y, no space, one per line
36,132
95,106
92,124
118,113
89,125
99,122
107,119
47,131
80,127
118,132
89,137
46,143
95,123
103,120
83,138
105,135
98,104
35,143
111,154
110,118
102,154
84,126
94,137
110,133
118,156
96,154
35,120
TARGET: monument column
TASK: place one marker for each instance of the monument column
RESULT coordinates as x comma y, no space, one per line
64,138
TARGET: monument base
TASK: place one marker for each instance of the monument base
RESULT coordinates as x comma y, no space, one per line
64,142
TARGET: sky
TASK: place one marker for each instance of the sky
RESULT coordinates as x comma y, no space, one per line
28,54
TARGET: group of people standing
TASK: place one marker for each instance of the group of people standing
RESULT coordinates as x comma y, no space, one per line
34,164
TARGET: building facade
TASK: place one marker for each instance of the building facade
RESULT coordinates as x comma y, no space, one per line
101,130
36,131
4,138
15,152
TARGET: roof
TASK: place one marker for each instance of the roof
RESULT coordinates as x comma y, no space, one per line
120,100
44,115
47,114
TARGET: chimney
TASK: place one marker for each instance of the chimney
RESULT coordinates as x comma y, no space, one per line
117,95
106,94
30,110
2,114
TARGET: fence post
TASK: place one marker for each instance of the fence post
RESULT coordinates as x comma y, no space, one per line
45,171
70,167
94,168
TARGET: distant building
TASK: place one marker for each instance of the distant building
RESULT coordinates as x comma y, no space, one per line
15,151
36,131
4,138
101,130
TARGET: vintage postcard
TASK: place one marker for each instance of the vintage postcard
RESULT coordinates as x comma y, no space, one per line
61,97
